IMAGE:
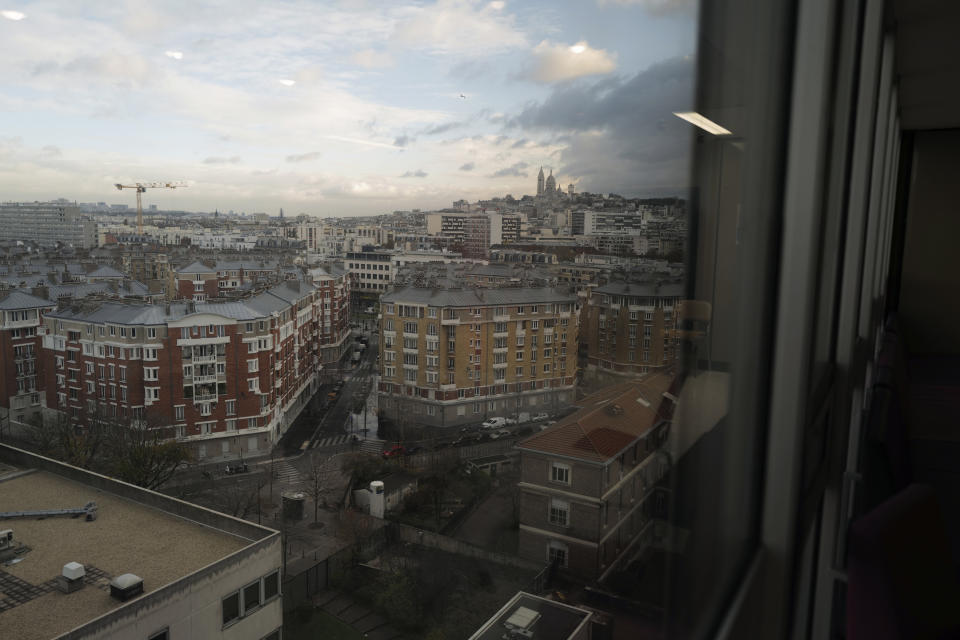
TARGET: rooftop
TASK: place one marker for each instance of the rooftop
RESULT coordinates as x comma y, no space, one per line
542,619
476,297
608,421
136,531
616,288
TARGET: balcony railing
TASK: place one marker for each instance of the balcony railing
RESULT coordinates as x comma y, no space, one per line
204,379
201,359
205,397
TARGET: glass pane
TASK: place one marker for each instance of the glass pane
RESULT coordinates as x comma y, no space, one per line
231,607
251,596
271,585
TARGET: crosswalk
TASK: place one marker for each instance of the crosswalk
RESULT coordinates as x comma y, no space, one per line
343,443
332,441
286,472
373,446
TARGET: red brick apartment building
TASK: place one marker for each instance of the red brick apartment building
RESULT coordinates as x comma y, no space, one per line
21,364
630,329
588,485
227,378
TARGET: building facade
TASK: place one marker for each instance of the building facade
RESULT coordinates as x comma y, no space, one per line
588,487
452,357
629,328
21,364
47,223
225,378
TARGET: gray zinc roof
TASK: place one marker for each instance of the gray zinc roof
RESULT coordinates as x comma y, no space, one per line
20,300
474,297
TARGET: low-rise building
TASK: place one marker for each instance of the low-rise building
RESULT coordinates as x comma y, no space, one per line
588,485
202,574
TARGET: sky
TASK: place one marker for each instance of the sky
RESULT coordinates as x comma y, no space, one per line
342,108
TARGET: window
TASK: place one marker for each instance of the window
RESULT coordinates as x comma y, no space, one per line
163,634
231,407
557,553
253,365
151,332
271,586
178,413
559,512
231,608
560,473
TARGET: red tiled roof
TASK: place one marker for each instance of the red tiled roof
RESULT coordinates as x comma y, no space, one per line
608,420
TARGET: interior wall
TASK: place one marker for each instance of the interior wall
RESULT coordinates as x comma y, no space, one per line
929,303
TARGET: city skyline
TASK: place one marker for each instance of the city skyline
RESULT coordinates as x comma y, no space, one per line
347,109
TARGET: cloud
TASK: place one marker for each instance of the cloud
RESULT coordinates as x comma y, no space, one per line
13,15
51,151
219,160
516,170
620,133
458,27
304,157
468,166
176,55
419,173
519,144
656,7
555,62
371,59
442,128
403,141
497,5
287,82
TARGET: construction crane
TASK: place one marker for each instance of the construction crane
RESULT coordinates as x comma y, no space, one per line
140,188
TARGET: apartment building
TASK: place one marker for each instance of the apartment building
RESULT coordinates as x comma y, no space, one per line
629,328
227,378
333,321
199,282
195,574
370,271
47,223
588,485
21,365
455,356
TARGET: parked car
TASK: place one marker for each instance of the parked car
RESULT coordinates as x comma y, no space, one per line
394,452
502,433
509,421
493,423
541,416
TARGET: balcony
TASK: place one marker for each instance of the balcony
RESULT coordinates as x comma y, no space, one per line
202,359
204,379
450,321
499,334
503,318
206,397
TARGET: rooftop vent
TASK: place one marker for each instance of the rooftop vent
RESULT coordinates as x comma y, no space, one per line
126,586
614,409
71,578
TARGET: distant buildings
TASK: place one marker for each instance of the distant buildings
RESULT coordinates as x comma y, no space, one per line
450,357
46,224
588,485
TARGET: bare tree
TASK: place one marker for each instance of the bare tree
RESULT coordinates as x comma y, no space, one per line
317,481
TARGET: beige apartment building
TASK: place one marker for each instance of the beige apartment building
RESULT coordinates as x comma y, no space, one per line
456,356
